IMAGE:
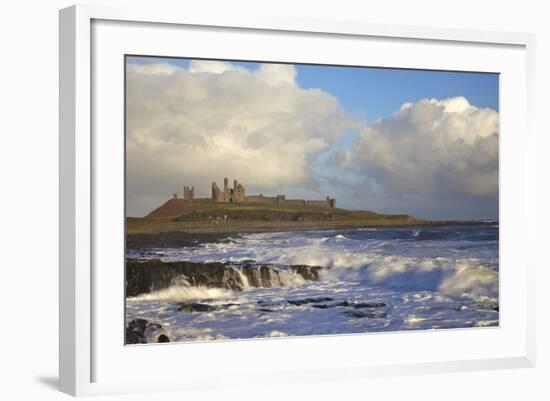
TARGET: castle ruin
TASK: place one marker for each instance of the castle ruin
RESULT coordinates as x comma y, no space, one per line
228,195
188,193
237,195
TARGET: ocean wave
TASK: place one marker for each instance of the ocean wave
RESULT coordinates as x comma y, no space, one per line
429,235
181,292
450,277
471,282
453,277
448,268
446,282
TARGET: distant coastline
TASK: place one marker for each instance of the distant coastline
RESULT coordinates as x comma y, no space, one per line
230,219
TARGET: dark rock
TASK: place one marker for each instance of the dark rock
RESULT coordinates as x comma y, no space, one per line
141,331
310,273
298,302
196,307
163,338
135,331
266,304
135,335
265,310
138,325
321,299
144,276
361,305
366,314
319,303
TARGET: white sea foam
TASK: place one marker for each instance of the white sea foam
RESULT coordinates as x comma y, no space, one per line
363,263
276,333
413,265
413,320
451,277
471,281
287,278
486,323
244,280
446,280
180,293
196,334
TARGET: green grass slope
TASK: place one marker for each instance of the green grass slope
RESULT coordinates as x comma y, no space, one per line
202,216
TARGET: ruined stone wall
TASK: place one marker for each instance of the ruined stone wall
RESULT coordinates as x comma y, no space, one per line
295,202
238,193
318,203
228,195
261,199
217,195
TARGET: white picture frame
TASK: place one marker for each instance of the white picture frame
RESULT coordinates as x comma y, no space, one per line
80,211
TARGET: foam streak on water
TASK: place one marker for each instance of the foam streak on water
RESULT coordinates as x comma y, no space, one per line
426,278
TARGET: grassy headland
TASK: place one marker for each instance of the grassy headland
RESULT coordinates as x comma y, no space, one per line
228,218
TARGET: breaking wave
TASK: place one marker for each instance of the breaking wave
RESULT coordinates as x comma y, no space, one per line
180,293
452,262
455,277
319,282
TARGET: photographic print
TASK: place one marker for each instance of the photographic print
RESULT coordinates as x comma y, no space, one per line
269,199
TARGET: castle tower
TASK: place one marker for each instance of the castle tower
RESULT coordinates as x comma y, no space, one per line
215,192
228,195
188,193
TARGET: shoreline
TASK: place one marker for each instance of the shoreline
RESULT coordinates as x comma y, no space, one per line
176,234
287,285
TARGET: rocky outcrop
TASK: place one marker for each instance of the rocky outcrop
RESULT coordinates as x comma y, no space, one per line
298,302
354,309
144,276
141,331
195,307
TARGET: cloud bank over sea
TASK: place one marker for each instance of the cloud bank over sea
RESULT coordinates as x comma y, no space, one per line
194,123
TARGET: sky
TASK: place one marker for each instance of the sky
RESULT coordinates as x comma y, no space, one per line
419,142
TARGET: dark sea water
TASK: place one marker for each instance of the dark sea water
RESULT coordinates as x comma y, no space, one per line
374,279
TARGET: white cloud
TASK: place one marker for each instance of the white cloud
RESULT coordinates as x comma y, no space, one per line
432,147
151,69
212,67
276,74
189,126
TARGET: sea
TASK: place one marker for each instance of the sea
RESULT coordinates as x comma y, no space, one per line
372,280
